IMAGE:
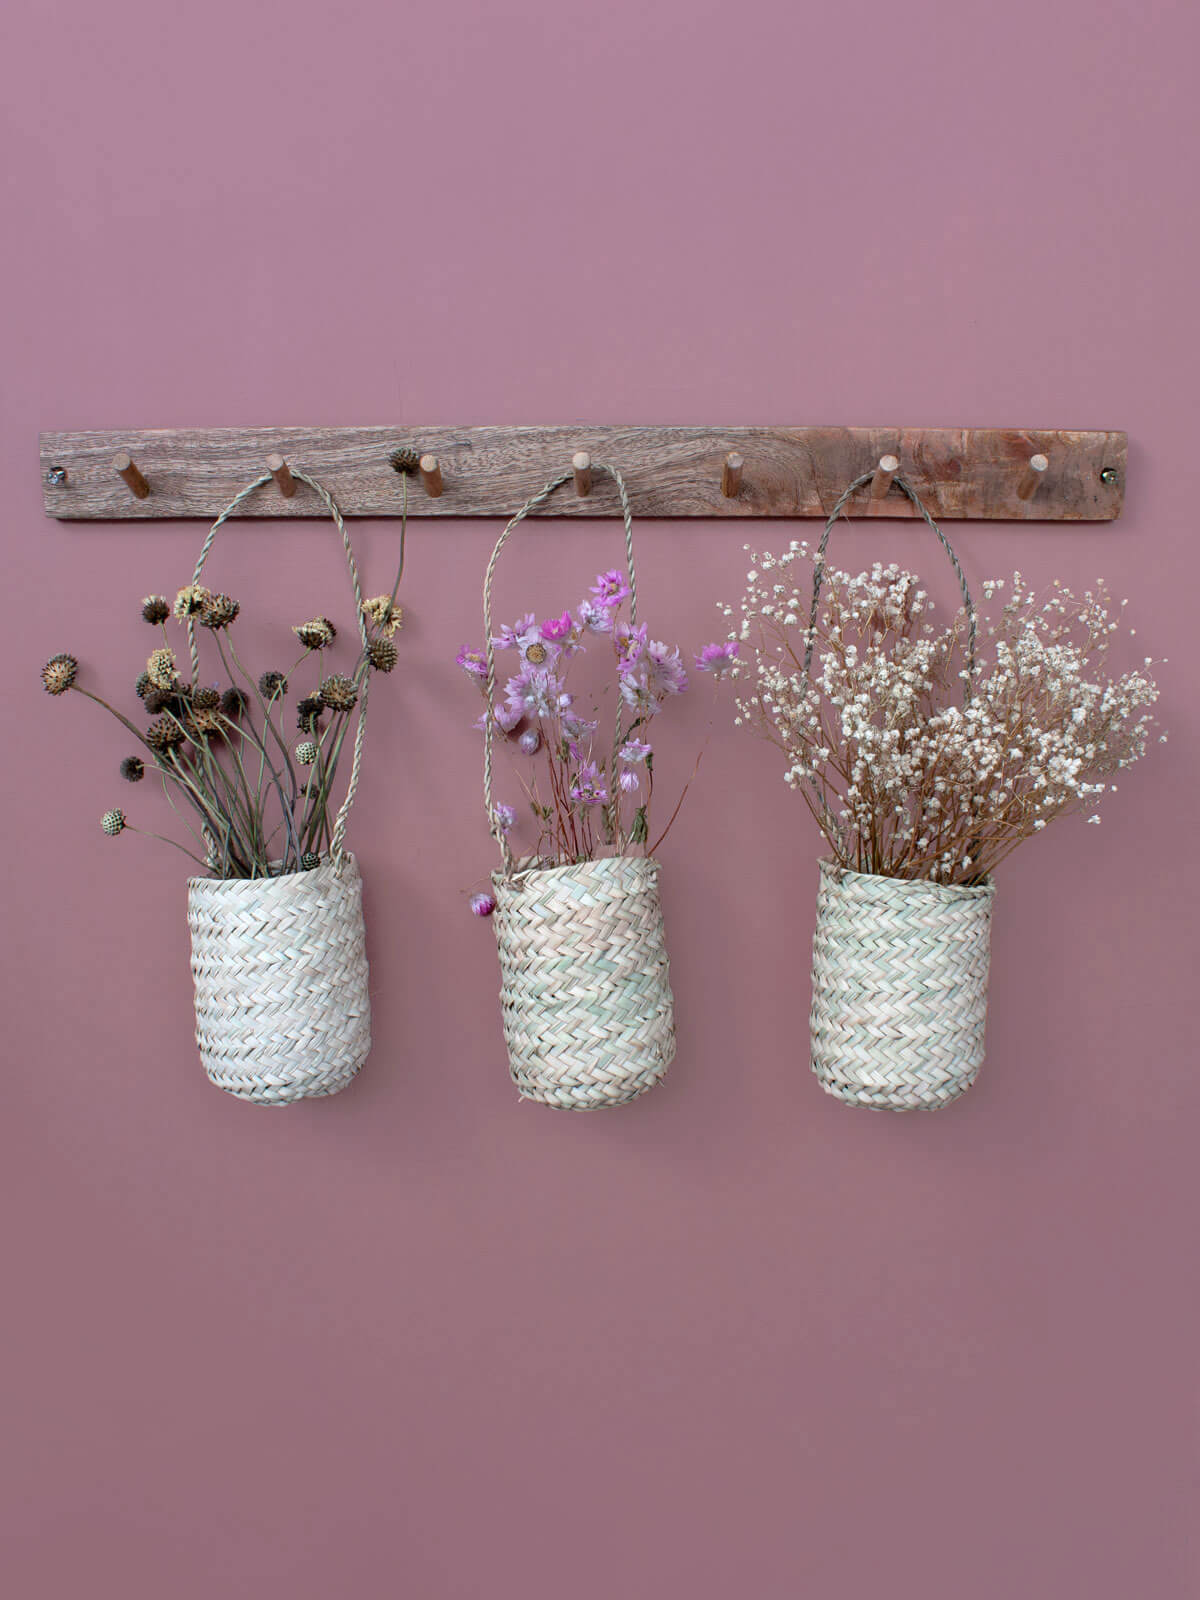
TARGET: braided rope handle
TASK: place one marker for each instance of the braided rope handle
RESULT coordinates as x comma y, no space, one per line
532,504
338,835
819,573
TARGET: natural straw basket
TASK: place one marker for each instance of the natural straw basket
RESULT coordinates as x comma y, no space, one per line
899,1002
900,966
589,1019
279,964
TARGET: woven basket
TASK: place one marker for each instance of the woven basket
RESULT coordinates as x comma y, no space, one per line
588,1016
899,989
280,972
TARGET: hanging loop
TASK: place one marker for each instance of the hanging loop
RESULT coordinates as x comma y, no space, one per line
489,729
337,838
819,572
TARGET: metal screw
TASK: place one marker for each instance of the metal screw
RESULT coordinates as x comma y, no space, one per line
1108,475
56,476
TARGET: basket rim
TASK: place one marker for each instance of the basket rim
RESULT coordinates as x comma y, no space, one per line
325,864
831,870
520,877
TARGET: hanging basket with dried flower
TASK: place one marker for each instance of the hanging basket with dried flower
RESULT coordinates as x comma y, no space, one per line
278,951
585,994
918,797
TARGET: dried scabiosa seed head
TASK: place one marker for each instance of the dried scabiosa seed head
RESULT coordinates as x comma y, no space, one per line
382,612
206,698
317,634
59,674
133,769
272,684
191,600
164,733
113,822
405,459
306,752
142,686
309,712
382,654
338,692
234,701
161,668
155,609
218,611
309,860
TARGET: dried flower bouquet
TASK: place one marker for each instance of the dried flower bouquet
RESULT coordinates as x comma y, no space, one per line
927,753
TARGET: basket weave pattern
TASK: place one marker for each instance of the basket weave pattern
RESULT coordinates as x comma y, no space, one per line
588,1015
280,973
899,1006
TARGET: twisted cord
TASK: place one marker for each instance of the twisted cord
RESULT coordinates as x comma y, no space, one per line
819,573
532,504
338,835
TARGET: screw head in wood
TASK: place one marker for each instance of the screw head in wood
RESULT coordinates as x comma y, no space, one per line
56,476
1109,475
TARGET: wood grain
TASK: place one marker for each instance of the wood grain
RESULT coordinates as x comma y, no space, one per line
670,471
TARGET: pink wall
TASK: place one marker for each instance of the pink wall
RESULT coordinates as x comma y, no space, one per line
737,1340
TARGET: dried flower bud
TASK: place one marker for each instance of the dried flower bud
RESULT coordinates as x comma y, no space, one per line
161,668
309,712
272,684
133,769
382,654
382,612
306,752
338,693
164,733
191,600
59,674
530,741
482,905
234,701
113,822
155,609
317,634
218,611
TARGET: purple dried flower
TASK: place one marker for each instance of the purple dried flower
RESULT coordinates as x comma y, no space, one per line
473,662
534,691
610,588
505,718
717,658
530,741
557,628
505,817
596,619
628,781
589,785
634,750
630,642
578,727
482,905
664,669
520,636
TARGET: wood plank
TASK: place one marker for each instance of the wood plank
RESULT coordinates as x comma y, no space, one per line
975,473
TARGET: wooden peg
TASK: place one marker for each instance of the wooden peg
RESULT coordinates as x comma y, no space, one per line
581,466
887,469
278,468
731,475
1027,487
126,467
431,476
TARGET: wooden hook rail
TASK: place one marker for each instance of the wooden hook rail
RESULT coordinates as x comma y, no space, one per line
1007,474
